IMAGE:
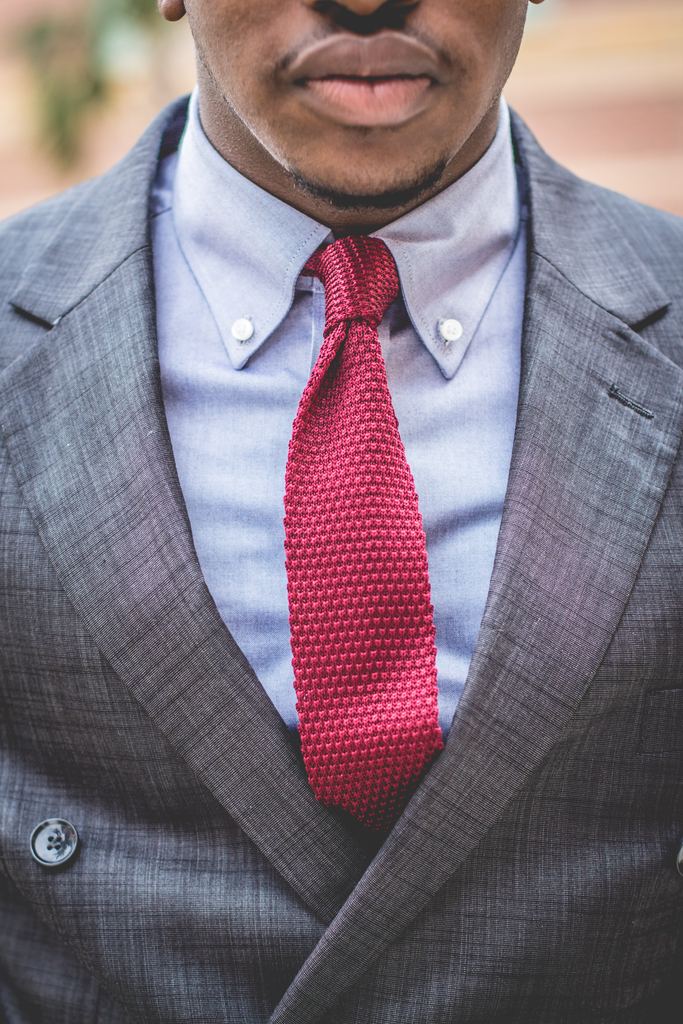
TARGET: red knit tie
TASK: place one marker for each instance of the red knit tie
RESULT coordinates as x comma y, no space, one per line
363,646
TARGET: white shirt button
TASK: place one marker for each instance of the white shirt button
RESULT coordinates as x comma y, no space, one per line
450,330
242,329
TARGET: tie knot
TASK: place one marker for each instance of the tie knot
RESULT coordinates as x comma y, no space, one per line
360,279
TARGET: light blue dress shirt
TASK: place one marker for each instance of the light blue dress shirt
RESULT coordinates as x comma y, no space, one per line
239,330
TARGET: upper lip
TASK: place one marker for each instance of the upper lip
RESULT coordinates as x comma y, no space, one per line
386,54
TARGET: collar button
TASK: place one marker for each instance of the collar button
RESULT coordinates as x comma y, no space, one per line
450,330
243,329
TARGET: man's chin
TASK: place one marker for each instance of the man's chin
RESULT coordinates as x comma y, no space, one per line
388,197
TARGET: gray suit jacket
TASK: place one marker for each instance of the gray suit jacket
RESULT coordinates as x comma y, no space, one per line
532,877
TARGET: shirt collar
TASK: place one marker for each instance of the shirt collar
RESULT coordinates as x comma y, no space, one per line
246,248
452,251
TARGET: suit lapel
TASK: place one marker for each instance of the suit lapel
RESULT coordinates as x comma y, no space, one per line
84,425
587,477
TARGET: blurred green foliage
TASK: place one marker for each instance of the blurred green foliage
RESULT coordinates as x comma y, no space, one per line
69,59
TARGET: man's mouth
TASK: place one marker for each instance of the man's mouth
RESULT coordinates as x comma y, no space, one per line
375,81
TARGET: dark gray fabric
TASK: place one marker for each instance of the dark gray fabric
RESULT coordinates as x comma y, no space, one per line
532,877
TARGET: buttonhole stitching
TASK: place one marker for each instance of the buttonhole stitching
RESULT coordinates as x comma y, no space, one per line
614,392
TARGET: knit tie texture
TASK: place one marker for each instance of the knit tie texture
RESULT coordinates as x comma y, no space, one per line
361,621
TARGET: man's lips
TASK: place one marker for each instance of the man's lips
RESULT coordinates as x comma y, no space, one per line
368,102
366,82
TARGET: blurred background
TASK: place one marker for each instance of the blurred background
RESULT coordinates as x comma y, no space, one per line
599,81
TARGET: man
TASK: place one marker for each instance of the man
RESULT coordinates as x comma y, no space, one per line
413,755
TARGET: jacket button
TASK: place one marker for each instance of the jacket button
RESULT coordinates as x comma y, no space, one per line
679,859
54,842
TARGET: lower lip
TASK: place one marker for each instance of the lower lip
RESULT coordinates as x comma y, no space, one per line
368,103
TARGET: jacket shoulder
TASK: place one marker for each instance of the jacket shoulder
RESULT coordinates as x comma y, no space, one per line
53,255
656,235
24,235
25,242
95,210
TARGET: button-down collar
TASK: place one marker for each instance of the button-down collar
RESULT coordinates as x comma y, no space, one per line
246,248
